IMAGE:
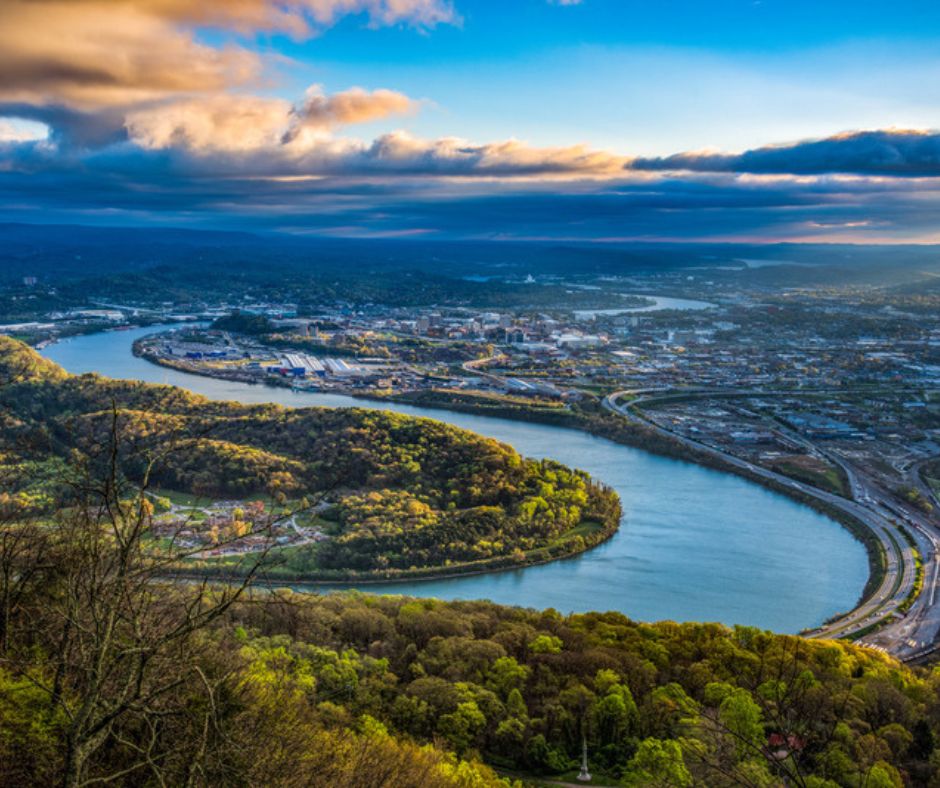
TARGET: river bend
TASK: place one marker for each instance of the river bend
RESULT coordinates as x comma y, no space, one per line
695,544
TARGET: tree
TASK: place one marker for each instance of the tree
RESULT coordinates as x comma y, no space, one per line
124,646
923,743
545,644
740,716
658,763
462,726
506,676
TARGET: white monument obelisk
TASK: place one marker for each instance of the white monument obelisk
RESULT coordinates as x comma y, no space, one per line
584,775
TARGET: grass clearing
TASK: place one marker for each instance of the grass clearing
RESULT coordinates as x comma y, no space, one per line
584,529
812,471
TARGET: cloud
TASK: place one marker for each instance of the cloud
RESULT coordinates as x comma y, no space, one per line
905,153
350,106
115,77
454,157
448,188
246,124
90,54
249,139
15,131
298,17
127,185
148,121
268,137
235,123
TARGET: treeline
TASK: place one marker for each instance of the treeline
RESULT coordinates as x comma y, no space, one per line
658,704
243,323
410,493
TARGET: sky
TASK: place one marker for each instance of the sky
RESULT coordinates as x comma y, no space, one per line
560,120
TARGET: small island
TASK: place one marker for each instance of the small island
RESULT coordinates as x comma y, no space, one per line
322,494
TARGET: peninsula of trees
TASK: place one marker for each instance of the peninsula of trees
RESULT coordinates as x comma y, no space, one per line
395,496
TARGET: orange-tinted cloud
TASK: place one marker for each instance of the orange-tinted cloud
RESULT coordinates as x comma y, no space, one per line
105,71
298,17
244,123
350,106
260,137
67,54
454,156
88,54
232,123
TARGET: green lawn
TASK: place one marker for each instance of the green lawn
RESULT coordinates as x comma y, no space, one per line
585,529
830,479
181,499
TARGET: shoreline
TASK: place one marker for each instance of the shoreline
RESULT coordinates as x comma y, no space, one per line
646,440
624,433
434,573
601,424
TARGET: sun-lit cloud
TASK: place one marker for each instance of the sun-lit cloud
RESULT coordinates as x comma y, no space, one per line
252,137
88,54
211,123
260,136
355,105
106,74
298,17
247,123
454,156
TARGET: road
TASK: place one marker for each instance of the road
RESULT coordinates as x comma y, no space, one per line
906,635
919,628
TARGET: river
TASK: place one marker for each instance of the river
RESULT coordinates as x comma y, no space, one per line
695,544
660,304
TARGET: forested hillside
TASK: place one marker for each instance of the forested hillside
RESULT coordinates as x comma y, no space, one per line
658,704
190,686
404,494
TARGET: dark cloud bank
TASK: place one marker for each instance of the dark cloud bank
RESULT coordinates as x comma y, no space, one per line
889,153
867,186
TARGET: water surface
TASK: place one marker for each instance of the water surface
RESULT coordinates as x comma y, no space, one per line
695,544
660,303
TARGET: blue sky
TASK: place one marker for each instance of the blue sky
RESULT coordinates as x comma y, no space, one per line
364,117
644,77
650,77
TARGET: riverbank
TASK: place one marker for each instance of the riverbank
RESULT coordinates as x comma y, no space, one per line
699,545
541,556
424,499
589,416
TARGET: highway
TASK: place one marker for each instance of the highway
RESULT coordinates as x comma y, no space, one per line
879,621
